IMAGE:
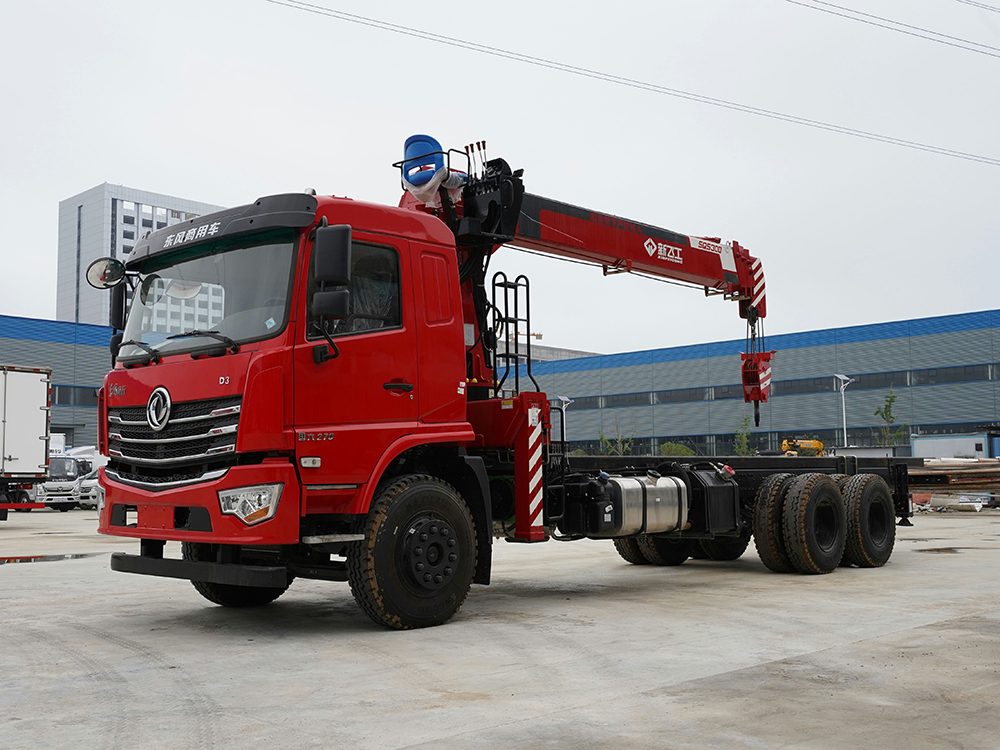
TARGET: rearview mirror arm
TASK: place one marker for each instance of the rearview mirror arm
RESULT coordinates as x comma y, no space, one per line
320,353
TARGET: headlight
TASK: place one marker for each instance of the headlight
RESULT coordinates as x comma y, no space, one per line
251,504
40,491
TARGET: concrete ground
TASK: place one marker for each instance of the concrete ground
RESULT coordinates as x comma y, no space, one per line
570,647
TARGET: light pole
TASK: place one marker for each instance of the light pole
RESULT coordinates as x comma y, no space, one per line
564,401
844,382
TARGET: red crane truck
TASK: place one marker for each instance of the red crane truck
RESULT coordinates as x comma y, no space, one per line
319,387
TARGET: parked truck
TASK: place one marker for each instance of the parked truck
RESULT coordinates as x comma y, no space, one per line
318,387
25,405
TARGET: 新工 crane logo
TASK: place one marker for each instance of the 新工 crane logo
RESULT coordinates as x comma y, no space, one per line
663,251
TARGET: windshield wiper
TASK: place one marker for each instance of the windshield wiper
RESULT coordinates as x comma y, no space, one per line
154,356
233,346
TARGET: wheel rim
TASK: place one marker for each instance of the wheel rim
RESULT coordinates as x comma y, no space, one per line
878,523
429,554
825,525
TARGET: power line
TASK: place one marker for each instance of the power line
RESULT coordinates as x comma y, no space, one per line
984,6
898,27
631,82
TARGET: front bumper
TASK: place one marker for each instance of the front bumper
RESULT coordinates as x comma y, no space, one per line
191,570
54,498
192,514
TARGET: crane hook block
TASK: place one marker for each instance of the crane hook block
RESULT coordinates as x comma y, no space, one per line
756,376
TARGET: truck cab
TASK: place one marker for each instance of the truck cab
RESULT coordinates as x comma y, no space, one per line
62,490
236,415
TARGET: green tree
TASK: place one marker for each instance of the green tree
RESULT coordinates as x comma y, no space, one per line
741,445
616,445
887,435
619,444
675,449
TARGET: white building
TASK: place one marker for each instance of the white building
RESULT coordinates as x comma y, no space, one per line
106,221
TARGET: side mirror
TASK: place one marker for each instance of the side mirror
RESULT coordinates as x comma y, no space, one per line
333,305
117,319
105,273
332,255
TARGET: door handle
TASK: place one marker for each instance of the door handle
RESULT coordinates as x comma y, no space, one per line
394,386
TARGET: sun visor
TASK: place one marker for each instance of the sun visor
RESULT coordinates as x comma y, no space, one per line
285,210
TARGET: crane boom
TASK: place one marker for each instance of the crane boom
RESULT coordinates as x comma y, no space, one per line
486,207
619,244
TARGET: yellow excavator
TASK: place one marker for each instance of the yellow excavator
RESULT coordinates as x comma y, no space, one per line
797,447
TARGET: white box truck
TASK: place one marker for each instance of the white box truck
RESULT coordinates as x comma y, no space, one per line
25,409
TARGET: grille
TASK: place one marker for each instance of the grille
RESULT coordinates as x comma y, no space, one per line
198,443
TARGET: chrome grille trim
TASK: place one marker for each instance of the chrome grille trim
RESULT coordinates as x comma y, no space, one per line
224,430
206,477
210,453
197,443
114,419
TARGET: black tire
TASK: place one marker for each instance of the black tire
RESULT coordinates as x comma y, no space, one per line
871,521
840,480
815,524
768,535
222,593
724,549
20,497
664,551
416,563
628,548
698,552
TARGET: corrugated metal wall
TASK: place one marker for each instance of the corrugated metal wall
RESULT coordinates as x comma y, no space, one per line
78,356
947,341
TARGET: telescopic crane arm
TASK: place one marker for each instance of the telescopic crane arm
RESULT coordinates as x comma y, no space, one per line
486,207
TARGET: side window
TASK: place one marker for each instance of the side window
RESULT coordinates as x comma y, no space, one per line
375,293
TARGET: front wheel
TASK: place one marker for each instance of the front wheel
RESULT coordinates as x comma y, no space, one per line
225,594
416,563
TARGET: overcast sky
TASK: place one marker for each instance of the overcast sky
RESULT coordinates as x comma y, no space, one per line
222,101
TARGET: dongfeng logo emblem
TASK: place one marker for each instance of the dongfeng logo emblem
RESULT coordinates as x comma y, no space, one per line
158,409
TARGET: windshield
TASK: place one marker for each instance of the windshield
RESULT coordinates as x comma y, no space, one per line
62,468
237,287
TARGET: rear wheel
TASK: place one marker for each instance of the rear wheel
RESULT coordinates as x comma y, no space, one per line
21,498
416,563
724,548
840,480
664,551
628,548
698,552
768,536
815,524
223,593
871,521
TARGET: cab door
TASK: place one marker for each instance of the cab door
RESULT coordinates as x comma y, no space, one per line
349,409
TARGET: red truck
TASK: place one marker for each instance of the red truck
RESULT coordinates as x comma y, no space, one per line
324,388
